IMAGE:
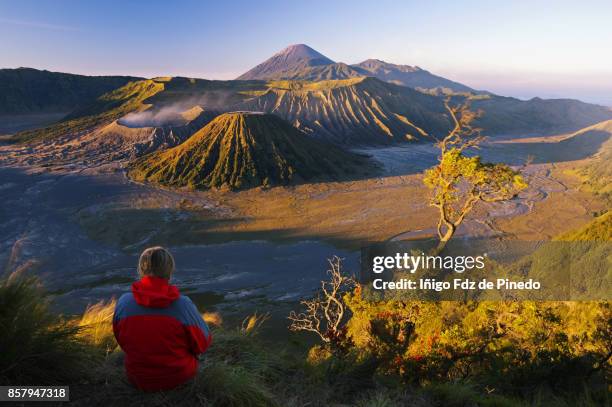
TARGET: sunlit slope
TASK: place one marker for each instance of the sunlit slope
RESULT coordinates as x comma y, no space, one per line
110,106
170,135
598,172
244,150
575,265
600,229
354,111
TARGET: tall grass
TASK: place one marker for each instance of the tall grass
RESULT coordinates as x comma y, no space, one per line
36,345
96,325
40,347
236,371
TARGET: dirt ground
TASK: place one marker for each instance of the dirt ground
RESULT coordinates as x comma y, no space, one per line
347,214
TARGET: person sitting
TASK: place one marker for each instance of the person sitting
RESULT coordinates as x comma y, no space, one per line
160,331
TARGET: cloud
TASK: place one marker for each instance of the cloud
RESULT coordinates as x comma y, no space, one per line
36,24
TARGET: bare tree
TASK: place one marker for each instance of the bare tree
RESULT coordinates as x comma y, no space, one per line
459,181
325,313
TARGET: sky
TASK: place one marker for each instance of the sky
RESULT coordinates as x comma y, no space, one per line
514,48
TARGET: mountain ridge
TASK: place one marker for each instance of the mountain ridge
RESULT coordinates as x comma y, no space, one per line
354,111
29,90
410,76
301,62
357,110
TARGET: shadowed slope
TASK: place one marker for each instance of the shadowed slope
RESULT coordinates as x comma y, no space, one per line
406,75
506,115
244,150
29,91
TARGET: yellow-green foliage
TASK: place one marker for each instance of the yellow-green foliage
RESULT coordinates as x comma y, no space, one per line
97,325
107,108
497,343
458,174
451,340
459,182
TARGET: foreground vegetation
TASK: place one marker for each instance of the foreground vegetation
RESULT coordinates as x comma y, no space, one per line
384,353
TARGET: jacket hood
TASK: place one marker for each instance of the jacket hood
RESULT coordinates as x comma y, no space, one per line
154,292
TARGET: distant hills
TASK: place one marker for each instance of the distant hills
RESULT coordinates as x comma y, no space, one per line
373,102
363,110
411,76
28,91
300,62
243,150
507,115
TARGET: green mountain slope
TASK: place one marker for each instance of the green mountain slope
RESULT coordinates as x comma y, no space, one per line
597,174
29,91
599,229
573,266
108,107
245,150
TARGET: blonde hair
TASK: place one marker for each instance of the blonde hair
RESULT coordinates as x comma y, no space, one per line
157,262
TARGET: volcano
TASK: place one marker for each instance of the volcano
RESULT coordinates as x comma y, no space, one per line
294,58
241,150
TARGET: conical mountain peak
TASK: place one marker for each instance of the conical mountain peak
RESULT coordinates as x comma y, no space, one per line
244,150
291,59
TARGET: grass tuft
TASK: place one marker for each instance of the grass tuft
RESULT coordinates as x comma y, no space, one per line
96,325
36,345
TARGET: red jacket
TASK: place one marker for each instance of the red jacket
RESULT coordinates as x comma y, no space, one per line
161,333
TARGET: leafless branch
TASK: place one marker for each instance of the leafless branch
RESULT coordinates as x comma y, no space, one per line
324,314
